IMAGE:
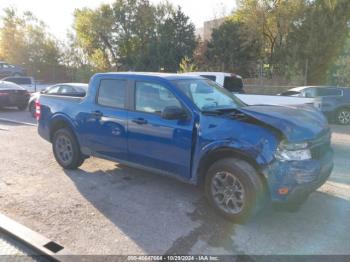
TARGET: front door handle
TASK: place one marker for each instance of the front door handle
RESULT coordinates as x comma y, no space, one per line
140,121
97,114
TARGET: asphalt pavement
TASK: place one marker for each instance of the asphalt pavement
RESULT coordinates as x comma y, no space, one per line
107,208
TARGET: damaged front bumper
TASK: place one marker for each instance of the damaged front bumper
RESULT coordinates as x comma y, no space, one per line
293,181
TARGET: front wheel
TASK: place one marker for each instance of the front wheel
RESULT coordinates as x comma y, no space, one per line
343,116
233,188
66,149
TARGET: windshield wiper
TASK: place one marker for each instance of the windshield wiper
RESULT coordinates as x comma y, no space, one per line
220,111
213,112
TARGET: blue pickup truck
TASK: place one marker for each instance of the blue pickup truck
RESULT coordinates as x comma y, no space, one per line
190,128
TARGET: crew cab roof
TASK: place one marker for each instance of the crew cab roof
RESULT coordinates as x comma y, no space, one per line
167,76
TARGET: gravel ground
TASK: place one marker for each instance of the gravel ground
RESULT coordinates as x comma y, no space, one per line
106,208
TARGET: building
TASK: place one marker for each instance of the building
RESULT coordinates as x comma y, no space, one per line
206,31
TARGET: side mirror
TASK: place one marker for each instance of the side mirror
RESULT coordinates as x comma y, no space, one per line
42,92
173,113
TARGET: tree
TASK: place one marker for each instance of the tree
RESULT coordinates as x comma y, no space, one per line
319,39
176,40
271,21
135,35
187,65
339,72
230,50
24,40
297,34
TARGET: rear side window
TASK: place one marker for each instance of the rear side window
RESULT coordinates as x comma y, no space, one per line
112,93
212,78
233,84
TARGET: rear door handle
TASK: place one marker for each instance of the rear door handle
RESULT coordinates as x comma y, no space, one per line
97,114
140,121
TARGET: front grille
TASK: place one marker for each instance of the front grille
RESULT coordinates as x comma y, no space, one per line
321,145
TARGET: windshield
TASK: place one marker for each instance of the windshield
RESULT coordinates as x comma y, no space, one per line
207,95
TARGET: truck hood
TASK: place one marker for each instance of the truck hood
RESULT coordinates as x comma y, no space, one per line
297,123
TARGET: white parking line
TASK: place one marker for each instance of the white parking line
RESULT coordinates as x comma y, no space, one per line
17,122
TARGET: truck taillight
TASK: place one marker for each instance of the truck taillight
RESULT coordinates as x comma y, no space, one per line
37,110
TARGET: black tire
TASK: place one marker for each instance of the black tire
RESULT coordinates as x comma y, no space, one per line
22,107
32,109
253,189
343,116
67,153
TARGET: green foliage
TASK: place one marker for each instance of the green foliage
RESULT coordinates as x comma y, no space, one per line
187,65
296,35
135,35
320,37
230,50
24,40
339,72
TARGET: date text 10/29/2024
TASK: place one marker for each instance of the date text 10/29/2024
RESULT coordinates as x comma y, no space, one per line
199,258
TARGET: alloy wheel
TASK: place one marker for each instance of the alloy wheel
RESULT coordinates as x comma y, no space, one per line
228,192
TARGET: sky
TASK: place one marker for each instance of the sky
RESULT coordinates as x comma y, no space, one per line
58,14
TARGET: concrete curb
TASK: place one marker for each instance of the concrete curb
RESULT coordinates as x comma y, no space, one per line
17,122
40,244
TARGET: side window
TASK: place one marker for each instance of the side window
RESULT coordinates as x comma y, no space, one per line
309,92
233,84
213,78
153,98
112,93
66,90
12,80
329,92
52,90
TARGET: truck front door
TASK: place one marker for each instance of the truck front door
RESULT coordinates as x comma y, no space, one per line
155,142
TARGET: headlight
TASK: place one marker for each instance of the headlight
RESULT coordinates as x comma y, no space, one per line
293,151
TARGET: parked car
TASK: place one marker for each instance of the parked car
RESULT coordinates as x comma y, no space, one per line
190,128
24,81
65,89
12,95
11,70
334,101
229,81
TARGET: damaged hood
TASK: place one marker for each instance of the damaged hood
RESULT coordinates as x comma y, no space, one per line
297,123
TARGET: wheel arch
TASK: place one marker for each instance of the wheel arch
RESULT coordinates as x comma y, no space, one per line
220,153
59,122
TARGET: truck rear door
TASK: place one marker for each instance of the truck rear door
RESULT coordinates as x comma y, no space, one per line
103,129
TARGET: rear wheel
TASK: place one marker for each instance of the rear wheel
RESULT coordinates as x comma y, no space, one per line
234,189
32,109
66,149
343,116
